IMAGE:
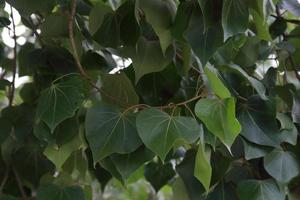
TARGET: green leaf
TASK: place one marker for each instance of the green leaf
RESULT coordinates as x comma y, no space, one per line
7,197
203,42
281,165
289,132
181,22
219,118
97,15
212,11
108,131
248,54
259,189
215,82
235,16
50,191
160,14
108,35
223,191
60,101
4,22
256,84
253,151
59,155
203,170
258,119
185,170
28,7
120,88
149,58
159,174
159,131
126,164
55,25
6,129
261,25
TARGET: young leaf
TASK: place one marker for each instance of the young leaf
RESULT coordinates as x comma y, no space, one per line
219,118
159,131
59,155
203,170
215,82
108,131
60,101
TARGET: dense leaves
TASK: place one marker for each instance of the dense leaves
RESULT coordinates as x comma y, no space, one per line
149,99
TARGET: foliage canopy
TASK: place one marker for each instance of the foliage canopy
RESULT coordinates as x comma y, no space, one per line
139,99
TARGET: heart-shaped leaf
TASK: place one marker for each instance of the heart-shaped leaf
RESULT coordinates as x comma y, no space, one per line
159,131
61,101
282,165
108,131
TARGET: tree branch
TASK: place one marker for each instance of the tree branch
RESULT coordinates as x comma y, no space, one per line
20,185
12,88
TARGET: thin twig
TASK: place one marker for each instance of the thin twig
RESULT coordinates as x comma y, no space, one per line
292,21
76,55
12,89
20,185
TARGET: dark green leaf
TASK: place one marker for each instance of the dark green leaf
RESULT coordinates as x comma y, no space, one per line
50,191
257,189
204,42
120,88
159,174
108,131
258,119
61,101
235,16
149,58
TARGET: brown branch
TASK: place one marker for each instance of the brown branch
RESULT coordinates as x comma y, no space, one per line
76,55
12,88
